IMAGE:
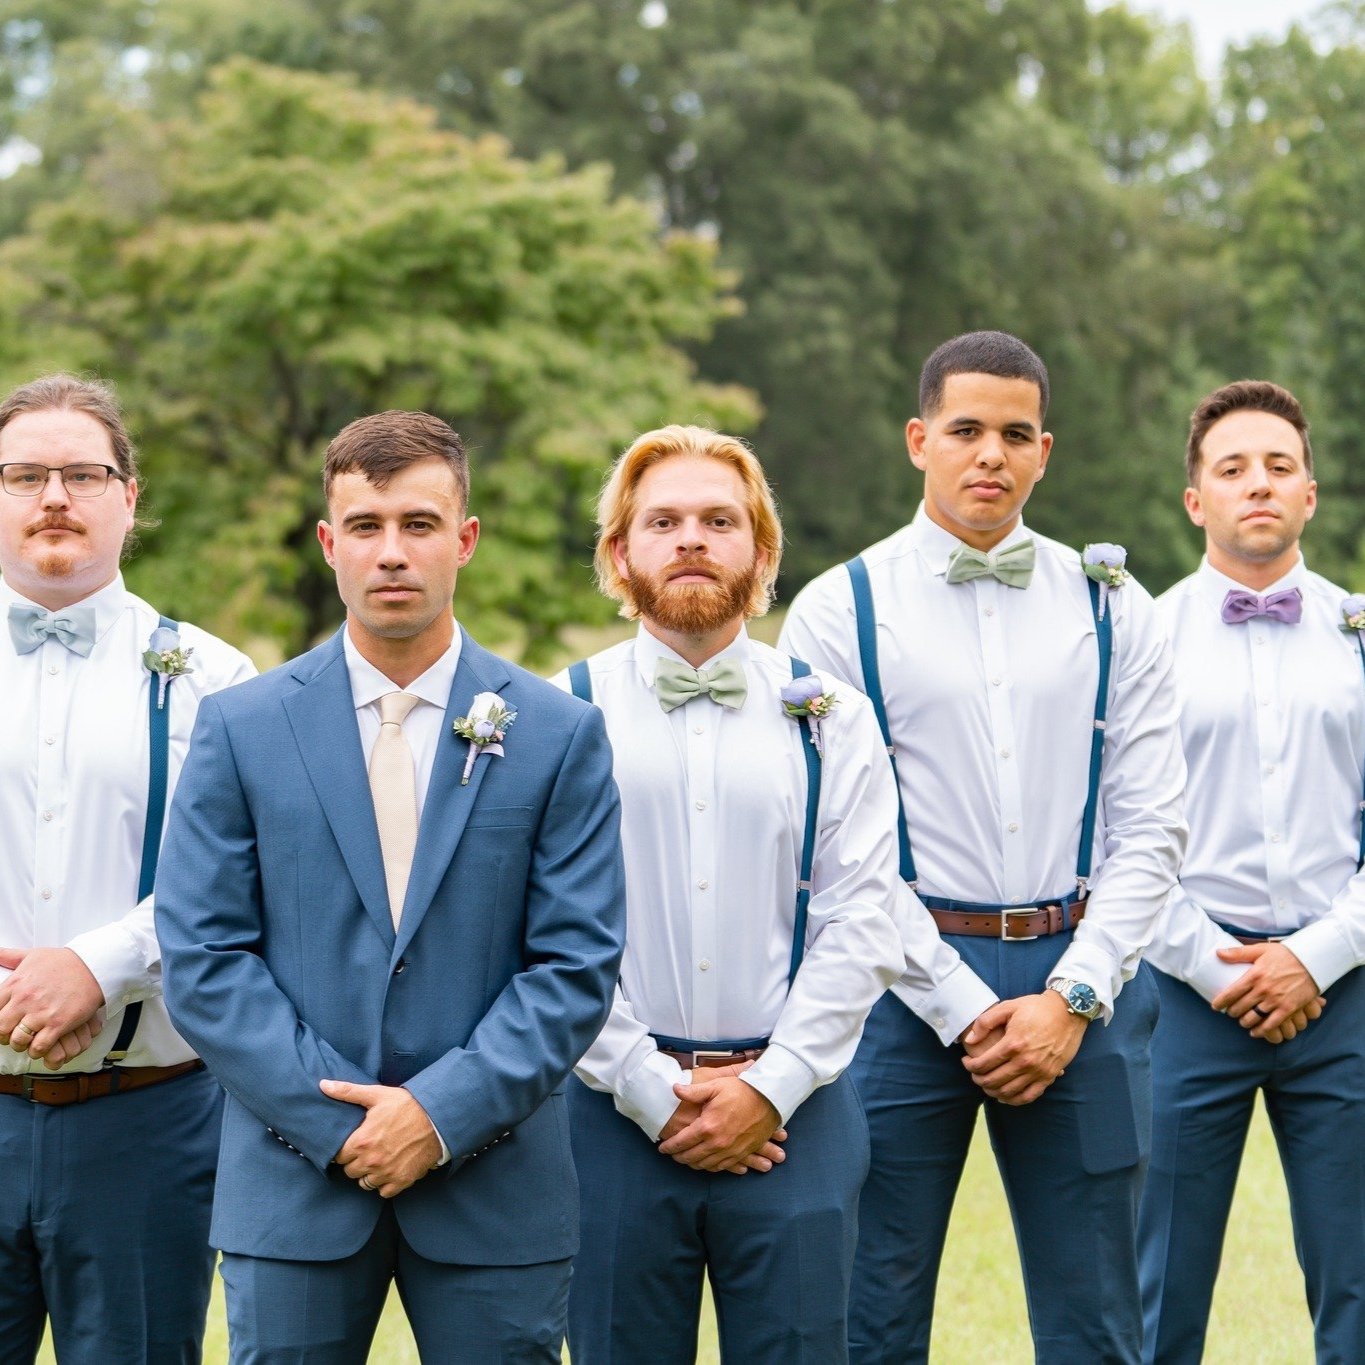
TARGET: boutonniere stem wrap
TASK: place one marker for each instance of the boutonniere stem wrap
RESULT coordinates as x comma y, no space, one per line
164,657
806,698
1353,614
484,727
1105,564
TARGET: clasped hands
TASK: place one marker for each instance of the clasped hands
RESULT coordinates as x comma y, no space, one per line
1275,998
395,1144
723,1124
50,1005
1018,1047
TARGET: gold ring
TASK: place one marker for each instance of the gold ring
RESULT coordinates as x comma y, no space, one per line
367,1184
26,1029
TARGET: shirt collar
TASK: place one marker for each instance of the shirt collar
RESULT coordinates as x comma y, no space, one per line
368,684
649,649
1216,585
935,545
110,602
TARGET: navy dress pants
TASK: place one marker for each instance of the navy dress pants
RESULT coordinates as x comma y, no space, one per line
104,1224
1072,1164
778,1245
1207,1070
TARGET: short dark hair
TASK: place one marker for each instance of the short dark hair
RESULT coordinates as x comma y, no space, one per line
994,353
380,445
70,393
1243,395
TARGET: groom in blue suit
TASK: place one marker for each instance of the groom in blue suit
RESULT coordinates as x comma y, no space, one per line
391,923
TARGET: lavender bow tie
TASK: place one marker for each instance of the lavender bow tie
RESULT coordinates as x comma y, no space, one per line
1240,605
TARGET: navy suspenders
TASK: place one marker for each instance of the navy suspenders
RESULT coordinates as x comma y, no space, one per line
580,683
865,617
159,735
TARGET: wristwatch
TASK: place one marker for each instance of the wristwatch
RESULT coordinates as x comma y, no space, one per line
1080,998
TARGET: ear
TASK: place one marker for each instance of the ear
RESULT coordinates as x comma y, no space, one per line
1311,504
326,540
1194,507
618,557
469,538
130,498
915,433
1045,446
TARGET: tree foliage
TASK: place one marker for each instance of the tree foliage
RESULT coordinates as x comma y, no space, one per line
293,253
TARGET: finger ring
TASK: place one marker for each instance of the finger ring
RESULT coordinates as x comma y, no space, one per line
367,1184
25,1028
1256,1009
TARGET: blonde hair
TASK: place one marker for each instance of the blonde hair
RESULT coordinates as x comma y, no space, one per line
617,505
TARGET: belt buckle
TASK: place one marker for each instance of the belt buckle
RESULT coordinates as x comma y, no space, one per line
722,1052
1005,919
26,1087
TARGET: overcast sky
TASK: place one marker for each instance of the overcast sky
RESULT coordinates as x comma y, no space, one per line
1218,22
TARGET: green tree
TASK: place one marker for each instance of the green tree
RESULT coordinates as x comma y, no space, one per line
293,253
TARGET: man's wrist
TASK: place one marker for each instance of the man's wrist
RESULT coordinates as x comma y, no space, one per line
1078,997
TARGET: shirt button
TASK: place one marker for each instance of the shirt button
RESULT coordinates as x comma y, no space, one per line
47,815
699,729
1269,769
49,739
1004,753
52,670
1274,838
995,682
47,895
1281,903
939,1021
1265,701
1014,828
705,964
703,884
701,805
988,611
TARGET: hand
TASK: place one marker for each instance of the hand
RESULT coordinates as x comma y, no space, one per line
48,1002
396,1143
735,1121
1018,1047
1274,990
71,1045
764,1159
1296,1023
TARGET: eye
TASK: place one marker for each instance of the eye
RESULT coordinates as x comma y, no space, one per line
82,478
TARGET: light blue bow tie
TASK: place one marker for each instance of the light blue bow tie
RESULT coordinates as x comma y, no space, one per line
73,626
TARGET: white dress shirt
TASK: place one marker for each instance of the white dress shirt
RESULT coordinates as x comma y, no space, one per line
990,697
713,812
1273,723
74,766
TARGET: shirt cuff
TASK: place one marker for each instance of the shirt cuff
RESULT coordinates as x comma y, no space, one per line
783,1079
445,1151
953,1005
647,1097
1324,951
112,957
1212,976
1084,962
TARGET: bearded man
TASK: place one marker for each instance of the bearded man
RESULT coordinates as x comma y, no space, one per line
758,813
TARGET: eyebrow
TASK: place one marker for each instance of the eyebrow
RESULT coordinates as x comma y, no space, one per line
664,509
409,514
967,420
1269,455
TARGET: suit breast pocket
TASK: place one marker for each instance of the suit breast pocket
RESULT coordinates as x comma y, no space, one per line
501,817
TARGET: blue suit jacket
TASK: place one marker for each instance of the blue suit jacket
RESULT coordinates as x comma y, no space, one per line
282,966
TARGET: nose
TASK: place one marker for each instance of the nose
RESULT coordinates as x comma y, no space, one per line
990,451
392,555
54,491
691,536
1258,481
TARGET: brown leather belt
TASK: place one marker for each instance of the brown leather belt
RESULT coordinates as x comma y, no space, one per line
1251,940
77,1087
689,1061
1027,922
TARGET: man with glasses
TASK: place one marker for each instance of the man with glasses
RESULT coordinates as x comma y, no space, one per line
108,1122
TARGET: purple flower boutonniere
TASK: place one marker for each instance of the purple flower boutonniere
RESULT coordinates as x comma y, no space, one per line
1353,614
484,727
1105,564
164,657
806,698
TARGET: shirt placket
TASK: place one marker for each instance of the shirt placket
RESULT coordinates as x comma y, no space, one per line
995,662
702,725
49,884
1270,769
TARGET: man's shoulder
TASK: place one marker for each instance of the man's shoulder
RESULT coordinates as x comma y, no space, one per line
215,663
834,586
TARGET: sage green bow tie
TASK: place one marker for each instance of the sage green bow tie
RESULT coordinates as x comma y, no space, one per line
676,683
1013,565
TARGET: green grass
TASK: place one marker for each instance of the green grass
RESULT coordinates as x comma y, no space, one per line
1258,1310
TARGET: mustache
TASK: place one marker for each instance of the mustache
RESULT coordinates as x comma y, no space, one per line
691,564
55,523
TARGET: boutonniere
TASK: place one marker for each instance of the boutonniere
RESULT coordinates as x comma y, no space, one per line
484,727
805,698
1104,563
164,657
1353,614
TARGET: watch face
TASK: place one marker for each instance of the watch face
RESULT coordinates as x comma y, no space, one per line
1081,998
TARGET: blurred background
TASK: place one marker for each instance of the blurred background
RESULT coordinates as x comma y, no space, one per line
557,223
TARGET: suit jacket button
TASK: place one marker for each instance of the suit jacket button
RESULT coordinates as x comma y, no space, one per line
401,967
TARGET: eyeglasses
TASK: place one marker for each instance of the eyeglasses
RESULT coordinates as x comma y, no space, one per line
80,480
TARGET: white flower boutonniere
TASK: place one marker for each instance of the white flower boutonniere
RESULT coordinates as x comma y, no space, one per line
1353,614
484,727
805,698
164,657
1104,563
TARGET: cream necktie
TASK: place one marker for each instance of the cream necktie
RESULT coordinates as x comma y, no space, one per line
393,785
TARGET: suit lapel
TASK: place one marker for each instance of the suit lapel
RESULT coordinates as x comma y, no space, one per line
322,715
448,803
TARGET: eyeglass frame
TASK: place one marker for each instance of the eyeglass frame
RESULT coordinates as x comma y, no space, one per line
60,472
